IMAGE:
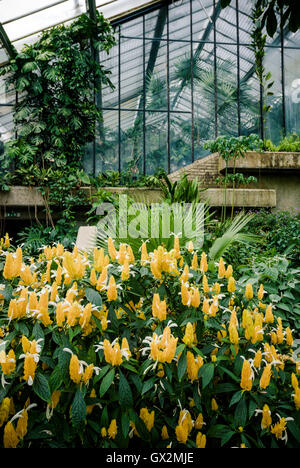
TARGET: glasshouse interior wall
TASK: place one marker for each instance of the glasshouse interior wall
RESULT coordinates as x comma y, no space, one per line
184,72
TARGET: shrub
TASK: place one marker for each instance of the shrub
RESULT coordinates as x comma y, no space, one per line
279,233
157,351
290,143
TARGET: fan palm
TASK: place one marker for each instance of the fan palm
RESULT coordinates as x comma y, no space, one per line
232,235
157,224
201,219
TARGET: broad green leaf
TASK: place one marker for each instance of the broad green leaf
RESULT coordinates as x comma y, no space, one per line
41,387
207,373
106,382
236,398
55,379
93,297
182,365
125,393
125,424
148,385
241,413
78,411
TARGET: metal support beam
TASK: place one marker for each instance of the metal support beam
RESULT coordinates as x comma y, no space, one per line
92,11
4,39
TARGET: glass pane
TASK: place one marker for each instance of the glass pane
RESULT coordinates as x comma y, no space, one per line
180,140
133,28
226,25
202,24
132,73
292,83
274,118
110,62
227,91
156,75
7,95
107,142
156,141
179,20
3,56
156,24
44,18
204,100
181,76
132,146
6,123
245,21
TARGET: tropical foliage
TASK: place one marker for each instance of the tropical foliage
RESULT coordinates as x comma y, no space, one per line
151,351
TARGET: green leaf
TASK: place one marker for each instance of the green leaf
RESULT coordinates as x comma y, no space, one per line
78,411
241,413
236,398
207,373
7,292
294,428
225,3
179,349
226,437
37,332
148,385
93,297
231,374
41,387
271,21
64,363
55,379
182,365
125,424
29,66
106,382
125,393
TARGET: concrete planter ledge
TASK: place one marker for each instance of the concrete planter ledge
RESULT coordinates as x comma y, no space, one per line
21,196
29,196
267,161
248,198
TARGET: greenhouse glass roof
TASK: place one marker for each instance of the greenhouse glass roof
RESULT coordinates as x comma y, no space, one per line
24,20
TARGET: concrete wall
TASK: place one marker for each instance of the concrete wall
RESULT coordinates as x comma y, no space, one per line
278,185
279,172
254,161
206,170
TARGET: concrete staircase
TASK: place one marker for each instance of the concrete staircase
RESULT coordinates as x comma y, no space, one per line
206,170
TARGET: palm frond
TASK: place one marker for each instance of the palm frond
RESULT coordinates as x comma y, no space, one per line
185,220
232,234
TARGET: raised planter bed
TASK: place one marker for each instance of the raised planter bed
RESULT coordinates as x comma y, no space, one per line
247,198
24,197
275,171
267,161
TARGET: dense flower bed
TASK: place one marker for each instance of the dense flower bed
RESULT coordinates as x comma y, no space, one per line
107,350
